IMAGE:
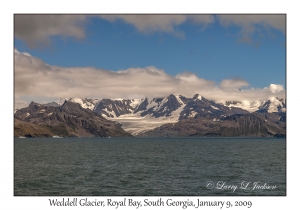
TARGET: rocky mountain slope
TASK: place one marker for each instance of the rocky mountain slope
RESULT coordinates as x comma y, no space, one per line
69,119
23,128
237,125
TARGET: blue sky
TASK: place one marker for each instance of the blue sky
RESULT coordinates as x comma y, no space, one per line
249,48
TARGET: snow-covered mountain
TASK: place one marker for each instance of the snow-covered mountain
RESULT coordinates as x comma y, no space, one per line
250,106
272,104
84,102
116,107
140,115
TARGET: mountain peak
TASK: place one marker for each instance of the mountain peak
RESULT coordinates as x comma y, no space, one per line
172,95
197,96
32,103
70,104
34,106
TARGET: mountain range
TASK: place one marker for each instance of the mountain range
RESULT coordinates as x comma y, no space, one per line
171,116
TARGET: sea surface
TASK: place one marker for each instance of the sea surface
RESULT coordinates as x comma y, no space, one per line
149,167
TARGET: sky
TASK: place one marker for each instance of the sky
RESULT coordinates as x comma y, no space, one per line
221,57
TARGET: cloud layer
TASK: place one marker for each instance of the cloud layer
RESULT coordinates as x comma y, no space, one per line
34,78
37,30
161,23
249,24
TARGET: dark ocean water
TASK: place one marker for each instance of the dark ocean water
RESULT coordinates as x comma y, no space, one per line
149,167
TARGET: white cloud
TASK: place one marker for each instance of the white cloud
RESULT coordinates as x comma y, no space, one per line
34,78
275,88
234,83
250,24
161,23
36,30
